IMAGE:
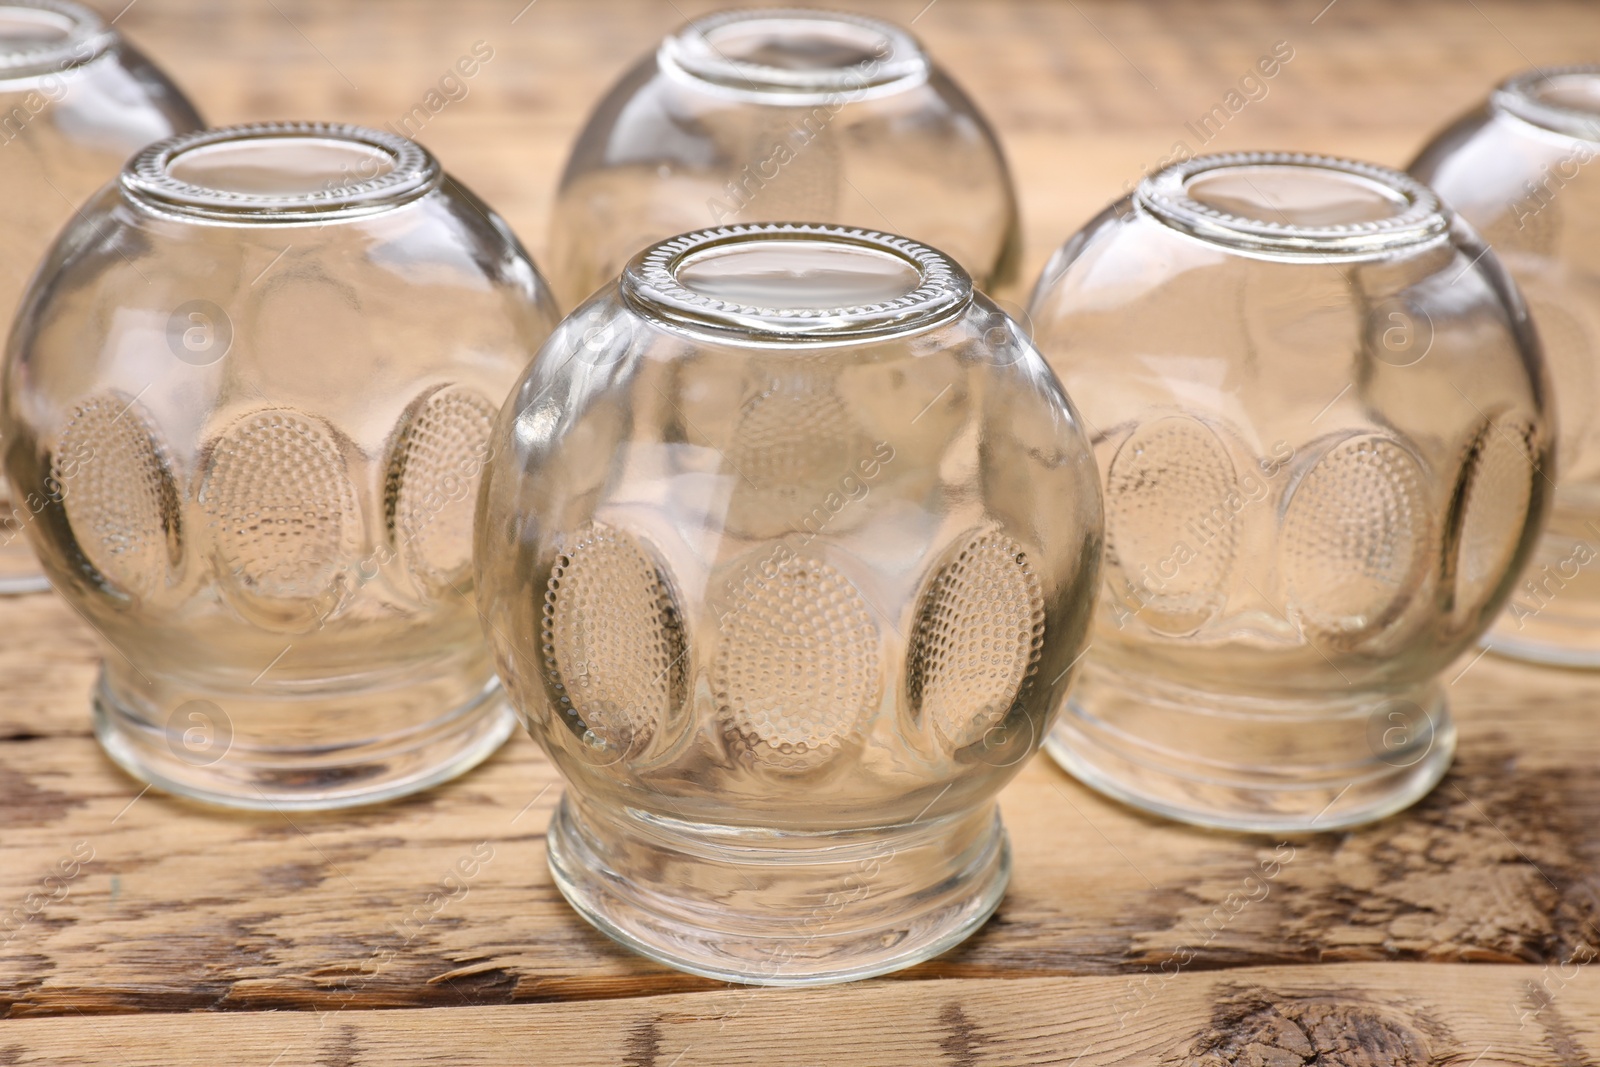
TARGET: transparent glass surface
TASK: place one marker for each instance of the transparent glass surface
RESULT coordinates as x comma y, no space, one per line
76,101
1319,412
787,551
252,388
1521,169
779,115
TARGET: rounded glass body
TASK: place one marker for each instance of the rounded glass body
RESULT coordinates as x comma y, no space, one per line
1319,413
778,115
1521,169
788,548
76,100
251,391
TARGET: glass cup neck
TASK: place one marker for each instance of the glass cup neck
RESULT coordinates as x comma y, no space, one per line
1296,204
1563,100
43,37
280,172
796,283
794,56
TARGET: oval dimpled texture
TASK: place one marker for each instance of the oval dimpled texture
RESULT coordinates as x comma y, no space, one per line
1497,492
802,157
613,646
119,495
977,641
797,670
282,510
1355,538
1172,516
431,488
791,446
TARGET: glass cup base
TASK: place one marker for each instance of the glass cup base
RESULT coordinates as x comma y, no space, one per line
1553,617
1549,642
23,584
1262,766
285,778
777,908
1581,650
19,569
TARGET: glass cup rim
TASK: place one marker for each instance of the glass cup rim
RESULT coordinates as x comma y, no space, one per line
413,173
1515,97
85,36
1165,194
650,282
690,54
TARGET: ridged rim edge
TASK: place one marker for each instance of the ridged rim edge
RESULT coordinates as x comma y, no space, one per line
650,279
1164,193
415,172
87,37
676,53
1514,97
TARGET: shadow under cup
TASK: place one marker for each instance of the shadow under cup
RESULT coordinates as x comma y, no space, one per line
260,409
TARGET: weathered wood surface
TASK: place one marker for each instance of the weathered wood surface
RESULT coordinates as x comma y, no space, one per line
171,907
183,907
1364,1015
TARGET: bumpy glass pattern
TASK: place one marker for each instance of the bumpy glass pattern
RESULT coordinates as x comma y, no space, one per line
253,385
76,100
1520,168
787,553
1320,415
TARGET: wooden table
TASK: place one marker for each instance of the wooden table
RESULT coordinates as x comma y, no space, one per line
1457,933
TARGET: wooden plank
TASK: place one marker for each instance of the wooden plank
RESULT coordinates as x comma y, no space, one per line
1366,1015
184,907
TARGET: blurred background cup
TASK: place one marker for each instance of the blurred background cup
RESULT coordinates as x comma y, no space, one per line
1320,416
778,115
1522,169
253,384
76,100
788,582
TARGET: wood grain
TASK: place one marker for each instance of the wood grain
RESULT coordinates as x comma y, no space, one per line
1363,1015
1356,950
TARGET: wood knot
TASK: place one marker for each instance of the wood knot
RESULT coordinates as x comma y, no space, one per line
1259,1029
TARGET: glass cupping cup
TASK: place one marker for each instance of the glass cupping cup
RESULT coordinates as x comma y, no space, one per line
777,115
1520,170
1320,417
253,384
76,100
787,549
